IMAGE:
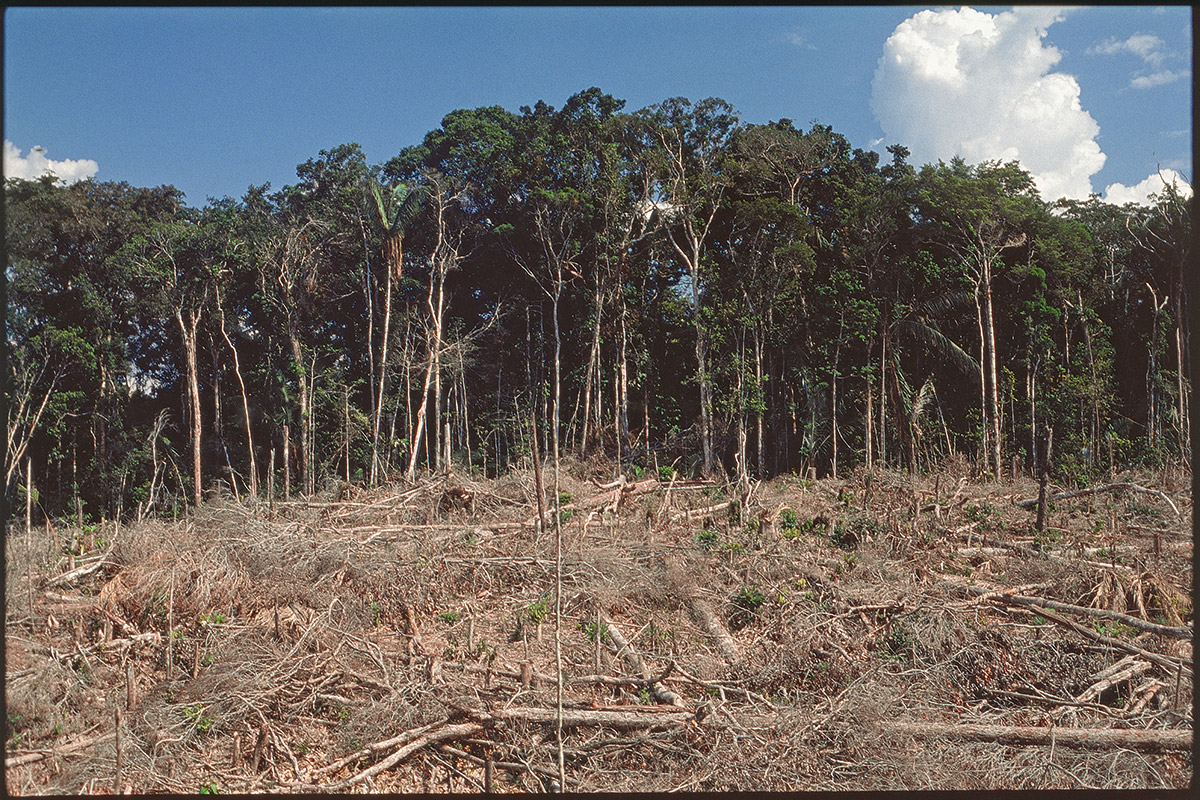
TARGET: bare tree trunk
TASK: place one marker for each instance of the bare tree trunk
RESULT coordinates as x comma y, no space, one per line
302,455
592,377
883,364
1185,433
759,404
984,425
869,425
237,370
994,394
188,332
393,251
287,463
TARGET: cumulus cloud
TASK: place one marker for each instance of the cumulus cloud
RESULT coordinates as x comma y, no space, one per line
1146,46
977,85
36,165
1120,194
1150,49
1158,78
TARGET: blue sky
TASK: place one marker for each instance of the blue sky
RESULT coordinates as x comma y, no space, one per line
213,100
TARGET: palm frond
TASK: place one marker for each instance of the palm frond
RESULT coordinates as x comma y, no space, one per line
407,207
944,303
921,402
379,205
937,341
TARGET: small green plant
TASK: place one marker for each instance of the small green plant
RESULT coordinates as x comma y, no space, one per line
708,538
300,748
788,520
749,598
450,617
666,473
195,715
589,630
215,618
564,498
536,612
565,515
899,642
376,616
210,788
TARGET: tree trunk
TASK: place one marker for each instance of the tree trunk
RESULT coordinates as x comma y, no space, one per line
984,457
393,265
302,455
188,332
1185,433
237,371
760,402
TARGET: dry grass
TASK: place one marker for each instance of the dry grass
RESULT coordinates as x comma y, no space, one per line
299,635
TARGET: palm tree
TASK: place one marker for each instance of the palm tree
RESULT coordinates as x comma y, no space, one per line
397,208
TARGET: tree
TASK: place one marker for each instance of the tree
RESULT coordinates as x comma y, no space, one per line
978,213
690,143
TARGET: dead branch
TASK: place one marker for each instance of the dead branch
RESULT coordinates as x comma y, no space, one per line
623,648
716,629
700,513
1108,487
1154,741
1168,663
618,717
70,577
72,747
441,734
1101,613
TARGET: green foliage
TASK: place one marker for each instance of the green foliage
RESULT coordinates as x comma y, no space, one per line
198,719
798,274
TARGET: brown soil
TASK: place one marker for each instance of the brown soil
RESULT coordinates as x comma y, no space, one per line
840,634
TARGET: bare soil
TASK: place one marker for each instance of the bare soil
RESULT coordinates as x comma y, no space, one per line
869,633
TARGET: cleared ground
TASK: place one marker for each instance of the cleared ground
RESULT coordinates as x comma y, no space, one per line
874,632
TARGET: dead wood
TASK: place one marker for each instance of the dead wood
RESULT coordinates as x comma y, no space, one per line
716,629
623,717
434,736
635,663
1154,741
69,577
1100,613
1108,487
71,747
1168,663
700,513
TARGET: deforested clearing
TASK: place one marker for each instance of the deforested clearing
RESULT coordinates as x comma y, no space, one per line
879,631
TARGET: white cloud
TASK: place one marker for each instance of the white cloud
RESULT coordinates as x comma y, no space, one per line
1120,194
36,164
967,83
1145,46
1158,78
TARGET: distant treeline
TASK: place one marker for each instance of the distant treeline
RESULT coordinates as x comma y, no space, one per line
667,287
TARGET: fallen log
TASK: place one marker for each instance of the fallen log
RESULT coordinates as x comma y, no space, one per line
62,750
1101,613
625,649
700,513
1171,664
1108,487
429,737
625,717
716,629
1153,741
